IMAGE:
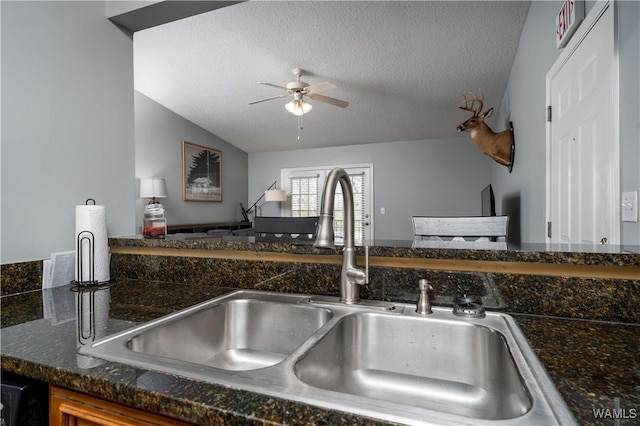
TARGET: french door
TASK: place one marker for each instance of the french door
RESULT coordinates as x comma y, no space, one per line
304,187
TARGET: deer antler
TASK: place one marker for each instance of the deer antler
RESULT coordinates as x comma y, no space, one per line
473,99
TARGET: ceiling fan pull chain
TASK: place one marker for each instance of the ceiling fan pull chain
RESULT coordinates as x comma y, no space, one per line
299,126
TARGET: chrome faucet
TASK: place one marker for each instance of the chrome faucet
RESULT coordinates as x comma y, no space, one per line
351,277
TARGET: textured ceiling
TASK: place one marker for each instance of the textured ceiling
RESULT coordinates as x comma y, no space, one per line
402,66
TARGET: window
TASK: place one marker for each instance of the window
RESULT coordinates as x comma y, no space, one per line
304,187
304,196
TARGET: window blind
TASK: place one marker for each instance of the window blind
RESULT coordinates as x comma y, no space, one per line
304,196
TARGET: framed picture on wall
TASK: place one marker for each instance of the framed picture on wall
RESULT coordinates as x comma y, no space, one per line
201,173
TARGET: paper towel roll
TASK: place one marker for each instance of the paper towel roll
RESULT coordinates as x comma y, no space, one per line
93,219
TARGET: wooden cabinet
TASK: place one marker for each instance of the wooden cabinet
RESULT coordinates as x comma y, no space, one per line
69,408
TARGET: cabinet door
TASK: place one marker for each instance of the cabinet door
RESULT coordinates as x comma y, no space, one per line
68,408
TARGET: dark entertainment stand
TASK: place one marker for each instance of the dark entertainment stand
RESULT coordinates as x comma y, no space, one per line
204,227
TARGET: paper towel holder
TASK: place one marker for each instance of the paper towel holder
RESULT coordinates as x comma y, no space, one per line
85,240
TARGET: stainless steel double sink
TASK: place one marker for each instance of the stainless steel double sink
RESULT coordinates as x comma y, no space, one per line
377,360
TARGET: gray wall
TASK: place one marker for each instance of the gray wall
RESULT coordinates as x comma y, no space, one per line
629,48
432,177
522,193
115,7
159,133
67,124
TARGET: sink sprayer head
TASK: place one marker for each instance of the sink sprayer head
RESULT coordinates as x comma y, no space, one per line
324,236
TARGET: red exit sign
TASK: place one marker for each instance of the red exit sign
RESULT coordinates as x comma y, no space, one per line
568,19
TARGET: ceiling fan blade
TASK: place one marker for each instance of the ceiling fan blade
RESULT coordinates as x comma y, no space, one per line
269,99
328,100
273,85
320,86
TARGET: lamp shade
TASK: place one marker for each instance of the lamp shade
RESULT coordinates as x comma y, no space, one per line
153,188
298,107
275,195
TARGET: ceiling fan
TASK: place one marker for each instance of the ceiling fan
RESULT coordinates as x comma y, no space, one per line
299,89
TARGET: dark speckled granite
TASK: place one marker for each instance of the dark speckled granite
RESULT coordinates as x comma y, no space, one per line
584,298
601,255
21,307
390,284
572,297
22,276
218,272
591,362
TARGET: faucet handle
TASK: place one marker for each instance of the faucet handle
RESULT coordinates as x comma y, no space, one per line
424,285
366,264
358,275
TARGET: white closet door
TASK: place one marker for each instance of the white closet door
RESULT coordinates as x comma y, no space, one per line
583,147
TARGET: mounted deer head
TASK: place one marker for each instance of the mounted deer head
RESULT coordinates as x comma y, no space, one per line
498,146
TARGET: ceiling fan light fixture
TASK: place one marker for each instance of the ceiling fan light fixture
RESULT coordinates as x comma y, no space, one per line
298,89
298,107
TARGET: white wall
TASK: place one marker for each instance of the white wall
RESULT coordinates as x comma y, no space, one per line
67,124
159,133
432,177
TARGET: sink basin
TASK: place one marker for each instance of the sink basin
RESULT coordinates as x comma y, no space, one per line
371,359
236,335
454,367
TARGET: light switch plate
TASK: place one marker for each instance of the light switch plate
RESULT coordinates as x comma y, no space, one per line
630,206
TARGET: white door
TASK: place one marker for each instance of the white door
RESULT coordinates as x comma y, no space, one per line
582,146
304,187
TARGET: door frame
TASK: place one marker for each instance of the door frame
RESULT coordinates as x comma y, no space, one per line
596,12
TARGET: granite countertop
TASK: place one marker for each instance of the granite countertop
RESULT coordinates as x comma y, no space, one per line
600,255
592,363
